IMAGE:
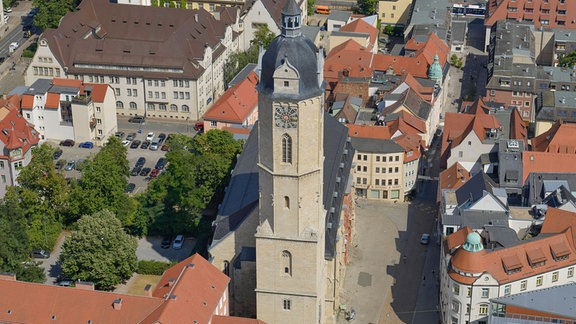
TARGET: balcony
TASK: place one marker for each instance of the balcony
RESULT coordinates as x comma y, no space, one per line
93,123
82,100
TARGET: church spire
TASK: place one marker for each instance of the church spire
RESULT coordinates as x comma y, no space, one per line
291,20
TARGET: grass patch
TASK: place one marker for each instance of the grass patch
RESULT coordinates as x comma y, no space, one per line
139,282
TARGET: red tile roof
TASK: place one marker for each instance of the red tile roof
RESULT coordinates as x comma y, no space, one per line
192,287
411,143
67,82
27,101
560,138
98,92
360,26
547,162
52,101
349,56
513,263
369,131
16,131
194,294
452,178
407,123
237,103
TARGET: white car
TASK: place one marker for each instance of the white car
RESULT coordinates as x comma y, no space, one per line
178,242
126,142
150,137
13,46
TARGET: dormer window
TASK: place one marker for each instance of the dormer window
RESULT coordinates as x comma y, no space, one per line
286,84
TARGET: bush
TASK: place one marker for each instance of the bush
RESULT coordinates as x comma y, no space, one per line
153,267
30,51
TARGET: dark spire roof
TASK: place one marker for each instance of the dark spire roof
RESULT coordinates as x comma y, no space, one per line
291,8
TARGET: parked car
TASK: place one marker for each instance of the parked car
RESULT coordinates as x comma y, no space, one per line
165,148
67,142
160,164
145,171
70,165
166,242
120,135
135,144
60,164
141,161
145,145
154,145
125,142
136,119
87,145
161,137
130,188
65,282
57,154
199,127
40,254
150,136
136,171
425,239
131,136
178,242
154,173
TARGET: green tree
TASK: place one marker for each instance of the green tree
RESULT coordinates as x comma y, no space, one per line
238,60
99,251
366,7
50,12
567,60
310,7
389,30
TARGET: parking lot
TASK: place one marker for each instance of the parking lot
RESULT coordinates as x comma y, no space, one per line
76,153
149,248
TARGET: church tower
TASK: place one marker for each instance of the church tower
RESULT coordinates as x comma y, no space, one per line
290,243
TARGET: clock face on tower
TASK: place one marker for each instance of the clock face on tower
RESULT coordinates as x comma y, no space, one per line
286,117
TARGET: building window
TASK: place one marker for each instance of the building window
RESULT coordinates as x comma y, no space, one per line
507,290
456,289
287,262
150,94
359,168
162,107
286,304
455,306
99,132
133,105
3,179
483,310
469,292
213,123
523,284
554,276
396,182
397,158
389,182
151,106
173,107
226,267
98,109
286,84
539,280
384,158
175,94
99,121
117,91
396,170
570,270
485,292
365,169
377,182
119,105
185,108
460,154
365,157
364,181
377,158
286,149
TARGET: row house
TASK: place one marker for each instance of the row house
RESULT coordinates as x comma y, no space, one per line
553,106
71,109
161,62
538,13
394,12
359,30
479,266
17,139
512,68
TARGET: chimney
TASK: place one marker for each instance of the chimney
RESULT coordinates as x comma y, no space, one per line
196,17
117,304
148,290
7,276
84,285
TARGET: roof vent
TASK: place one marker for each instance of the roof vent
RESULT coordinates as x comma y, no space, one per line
117,304
170,282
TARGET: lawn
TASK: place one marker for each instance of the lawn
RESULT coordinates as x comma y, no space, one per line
137,284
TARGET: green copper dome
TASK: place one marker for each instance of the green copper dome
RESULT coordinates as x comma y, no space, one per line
473,243
435,70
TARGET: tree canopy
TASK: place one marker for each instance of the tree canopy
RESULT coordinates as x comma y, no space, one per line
99,251
366,7
567,60
50,12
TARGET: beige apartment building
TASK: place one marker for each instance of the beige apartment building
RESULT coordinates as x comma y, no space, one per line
161,62
394,12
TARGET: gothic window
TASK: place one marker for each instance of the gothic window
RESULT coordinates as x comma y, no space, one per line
286,202
287,262
286,149
119,105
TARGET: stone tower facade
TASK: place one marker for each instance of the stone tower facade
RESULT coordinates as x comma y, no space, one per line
290,242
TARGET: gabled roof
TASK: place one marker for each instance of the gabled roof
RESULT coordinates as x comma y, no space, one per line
452,178
560,138
547,162
52,101
406,123
411,101
15,131
191,291
411,143
27,101
474,188
169,39
349,56
361,26
237,103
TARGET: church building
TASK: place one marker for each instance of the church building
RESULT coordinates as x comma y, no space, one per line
283,230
